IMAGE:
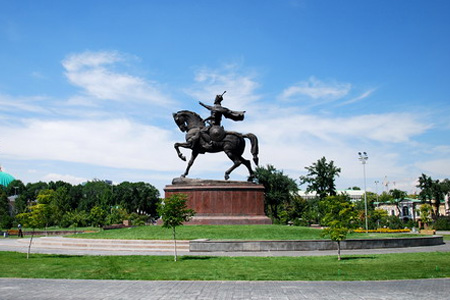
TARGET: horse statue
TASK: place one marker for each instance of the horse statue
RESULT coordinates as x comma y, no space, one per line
212,139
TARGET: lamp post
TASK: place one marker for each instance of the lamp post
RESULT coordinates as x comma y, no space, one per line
376,187
363,157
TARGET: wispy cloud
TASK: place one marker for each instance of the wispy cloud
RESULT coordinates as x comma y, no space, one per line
241,88
317,90
95,73
364,95
23,104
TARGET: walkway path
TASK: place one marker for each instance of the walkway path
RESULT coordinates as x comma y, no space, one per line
49,289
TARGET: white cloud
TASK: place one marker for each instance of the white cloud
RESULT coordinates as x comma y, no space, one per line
436,167
317,90
64,177
360,97
116,143
240,88
22,104
94,72
390,127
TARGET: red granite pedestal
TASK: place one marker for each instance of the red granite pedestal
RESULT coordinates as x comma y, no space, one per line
219,202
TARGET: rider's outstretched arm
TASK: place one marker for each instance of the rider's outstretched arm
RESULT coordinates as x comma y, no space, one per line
204,105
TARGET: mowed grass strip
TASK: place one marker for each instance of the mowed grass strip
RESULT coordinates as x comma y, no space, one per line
223,232
364,267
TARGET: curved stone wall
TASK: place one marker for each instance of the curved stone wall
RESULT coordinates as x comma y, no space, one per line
311,245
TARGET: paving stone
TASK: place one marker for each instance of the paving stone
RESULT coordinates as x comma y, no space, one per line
49,289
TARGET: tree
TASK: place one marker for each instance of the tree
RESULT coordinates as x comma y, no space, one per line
174,212
426,211
37,217
433,192
426,188
139,197
378,216
397,197
97,216
320,178
338,218
5,217
278,189
96,193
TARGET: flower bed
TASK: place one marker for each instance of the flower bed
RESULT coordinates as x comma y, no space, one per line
382,230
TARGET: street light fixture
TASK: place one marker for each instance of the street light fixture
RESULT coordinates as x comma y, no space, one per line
363,157
376,187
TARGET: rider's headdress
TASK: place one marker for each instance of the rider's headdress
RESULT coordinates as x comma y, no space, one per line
219,98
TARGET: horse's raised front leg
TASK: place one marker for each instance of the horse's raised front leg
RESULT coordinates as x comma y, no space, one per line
177,148
194,155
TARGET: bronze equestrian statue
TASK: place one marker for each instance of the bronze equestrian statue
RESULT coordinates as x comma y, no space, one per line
213,138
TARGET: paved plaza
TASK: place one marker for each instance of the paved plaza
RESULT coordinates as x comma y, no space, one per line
40,289
49,289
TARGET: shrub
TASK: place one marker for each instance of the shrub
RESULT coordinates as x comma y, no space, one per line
394,222
442,223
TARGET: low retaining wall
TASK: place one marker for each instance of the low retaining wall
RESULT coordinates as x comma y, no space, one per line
311,245
15,232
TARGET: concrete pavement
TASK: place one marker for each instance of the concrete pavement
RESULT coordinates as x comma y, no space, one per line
50,289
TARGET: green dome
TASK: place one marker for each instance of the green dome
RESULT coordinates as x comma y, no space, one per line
5,178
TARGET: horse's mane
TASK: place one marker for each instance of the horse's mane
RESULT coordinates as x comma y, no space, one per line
192,114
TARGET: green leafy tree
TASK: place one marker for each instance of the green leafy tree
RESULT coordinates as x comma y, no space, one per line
396,197
433,192
278,189
174,212
426,188
360,207
320,178
44,208
5,217
313,212
76,218
15,188
139,197
60,204
96,193
295,210
97,216
116,215
426,212
38,215
339,218
378,217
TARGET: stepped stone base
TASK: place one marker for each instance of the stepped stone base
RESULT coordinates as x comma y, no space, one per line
218,202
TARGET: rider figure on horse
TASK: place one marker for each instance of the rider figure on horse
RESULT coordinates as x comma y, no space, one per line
215,132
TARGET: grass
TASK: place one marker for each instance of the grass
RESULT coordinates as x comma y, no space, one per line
224,232
363,267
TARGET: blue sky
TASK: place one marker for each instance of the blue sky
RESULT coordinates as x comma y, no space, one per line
87,88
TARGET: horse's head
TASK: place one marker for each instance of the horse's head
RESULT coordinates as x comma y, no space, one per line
186,120
180,121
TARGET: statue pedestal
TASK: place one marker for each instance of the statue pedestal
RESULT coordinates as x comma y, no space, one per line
218,202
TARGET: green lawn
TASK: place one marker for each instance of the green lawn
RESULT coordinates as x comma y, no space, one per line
363,267
224,232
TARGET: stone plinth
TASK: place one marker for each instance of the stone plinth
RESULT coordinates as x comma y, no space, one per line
221,202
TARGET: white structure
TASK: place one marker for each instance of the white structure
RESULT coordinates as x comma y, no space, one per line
354,195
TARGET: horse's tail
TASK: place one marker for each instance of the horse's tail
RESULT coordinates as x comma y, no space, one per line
255,148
